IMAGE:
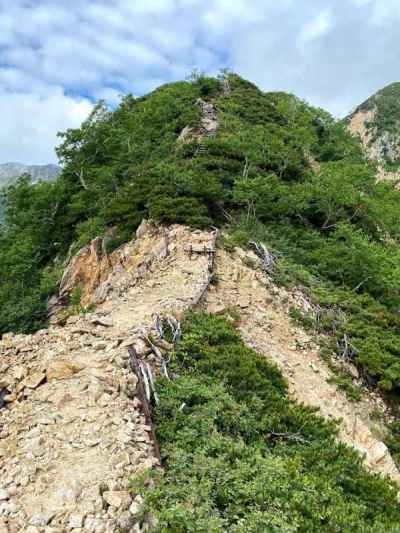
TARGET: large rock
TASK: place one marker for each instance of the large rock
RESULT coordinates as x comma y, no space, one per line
117,498
34,380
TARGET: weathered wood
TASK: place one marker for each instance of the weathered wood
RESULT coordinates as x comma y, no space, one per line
211,252
289,436
176,330
135,365
149,372
268,259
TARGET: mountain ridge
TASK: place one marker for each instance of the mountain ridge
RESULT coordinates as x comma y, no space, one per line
272,238
11,170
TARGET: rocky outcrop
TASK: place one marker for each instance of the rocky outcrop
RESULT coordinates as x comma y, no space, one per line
376,122
72,430
73,426
208,126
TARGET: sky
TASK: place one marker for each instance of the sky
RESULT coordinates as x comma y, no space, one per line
58,57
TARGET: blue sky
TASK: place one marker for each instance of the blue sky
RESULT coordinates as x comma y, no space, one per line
58,57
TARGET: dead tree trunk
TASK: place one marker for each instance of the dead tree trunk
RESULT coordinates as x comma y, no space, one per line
141,393
211,261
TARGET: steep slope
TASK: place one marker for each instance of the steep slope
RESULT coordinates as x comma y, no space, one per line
265,325
377,122
10,171
73,431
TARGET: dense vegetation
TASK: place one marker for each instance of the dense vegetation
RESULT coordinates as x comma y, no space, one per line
278,170
241,457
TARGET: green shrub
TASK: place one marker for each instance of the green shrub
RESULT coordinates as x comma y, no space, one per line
240,456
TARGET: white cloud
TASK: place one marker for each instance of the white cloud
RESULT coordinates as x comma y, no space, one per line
316,27
332,52
30,122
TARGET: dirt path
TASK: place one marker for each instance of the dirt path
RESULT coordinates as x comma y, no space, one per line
266,327
72,433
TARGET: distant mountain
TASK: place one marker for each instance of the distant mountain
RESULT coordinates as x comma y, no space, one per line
377,122
10,171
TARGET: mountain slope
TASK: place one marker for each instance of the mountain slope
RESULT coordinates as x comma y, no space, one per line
87,438
10,171
377,122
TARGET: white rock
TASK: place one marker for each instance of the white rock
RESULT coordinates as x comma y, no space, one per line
4,495
93,525
9,508
125,521
136,506
76,520
40,519
100,346
117,498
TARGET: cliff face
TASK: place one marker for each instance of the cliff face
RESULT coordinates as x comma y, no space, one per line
377,122
73,429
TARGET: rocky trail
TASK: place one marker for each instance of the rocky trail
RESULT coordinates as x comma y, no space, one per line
266,327
73,433
72,428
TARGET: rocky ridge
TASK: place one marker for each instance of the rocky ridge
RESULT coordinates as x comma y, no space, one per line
72,428
11,171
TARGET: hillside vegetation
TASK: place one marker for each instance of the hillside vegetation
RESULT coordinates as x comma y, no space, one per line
278,171
242,457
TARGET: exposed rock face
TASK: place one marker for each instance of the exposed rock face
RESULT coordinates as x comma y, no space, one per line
358,122
72,433
72,429
377,123
208,127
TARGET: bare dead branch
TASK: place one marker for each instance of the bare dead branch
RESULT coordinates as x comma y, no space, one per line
346,350
295,437
159,327
151,382
268,259
134,361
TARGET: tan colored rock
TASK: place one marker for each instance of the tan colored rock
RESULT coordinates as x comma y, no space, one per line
62,369
119,499
40,519
217,309
34,380
76,521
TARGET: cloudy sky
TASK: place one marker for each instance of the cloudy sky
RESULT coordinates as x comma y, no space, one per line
58,57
